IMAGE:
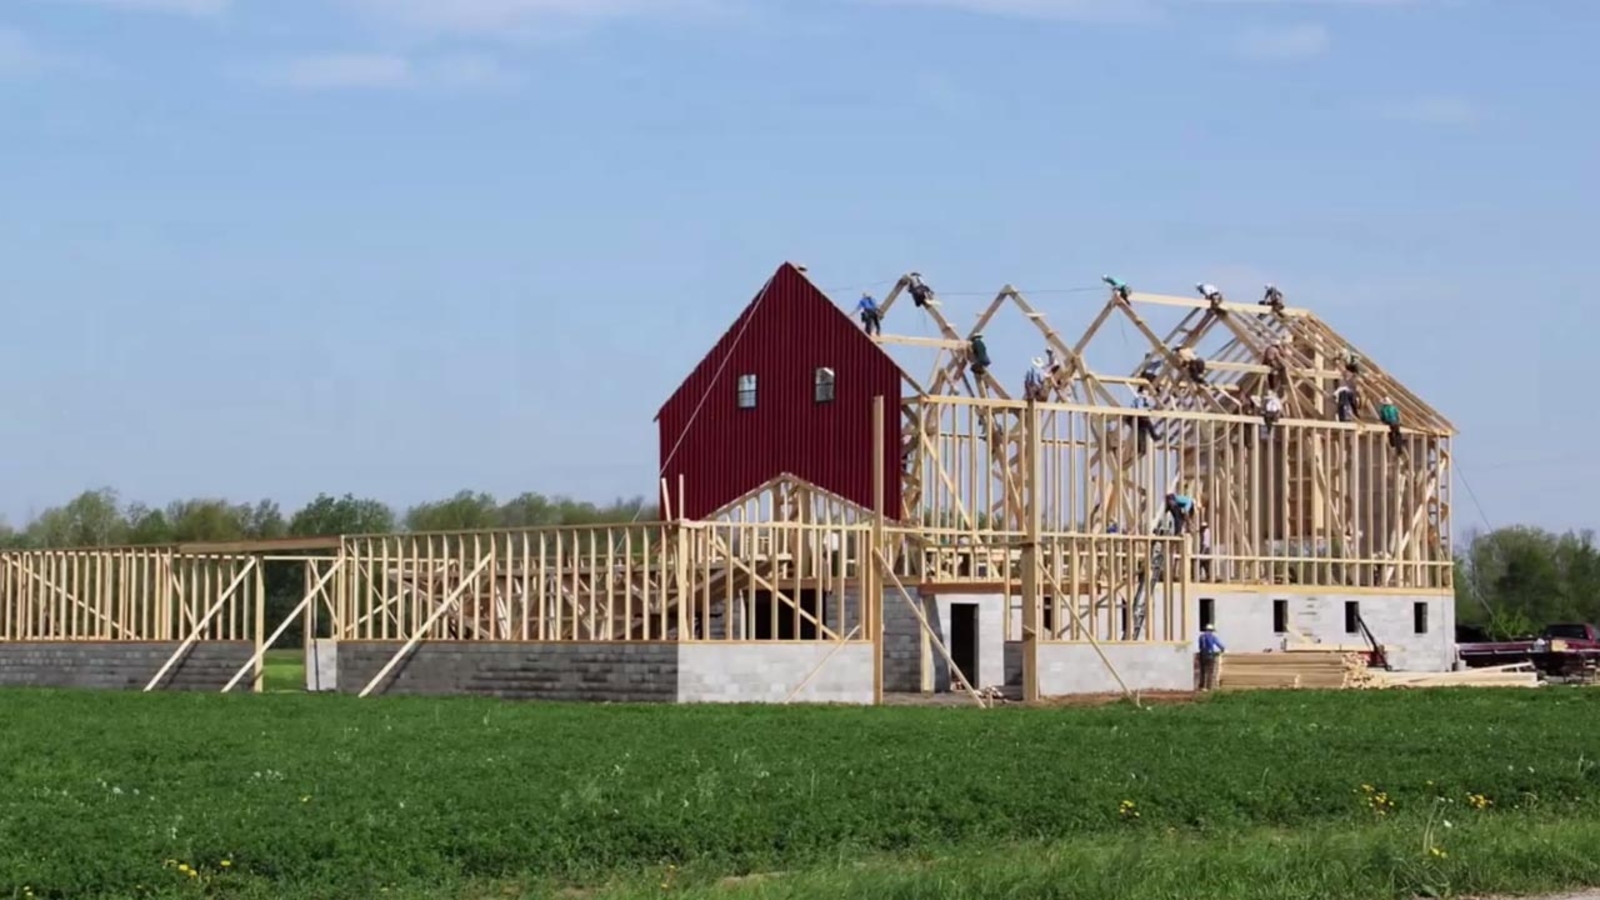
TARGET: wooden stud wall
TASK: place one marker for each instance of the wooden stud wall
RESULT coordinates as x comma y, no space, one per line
124,595
1315,503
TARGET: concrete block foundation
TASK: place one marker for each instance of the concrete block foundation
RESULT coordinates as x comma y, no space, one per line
615,672
112,665
1066,669
1417,630
767,673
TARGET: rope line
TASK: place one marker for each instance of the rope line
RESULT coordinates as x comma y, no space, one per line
706,395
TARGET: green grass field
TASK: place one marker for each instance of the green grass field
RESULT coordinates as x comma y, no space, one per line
285,670
1282,795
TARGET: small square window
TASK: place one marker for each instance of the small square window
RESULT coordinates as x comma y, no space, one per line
824,386
1419,618
747,392
1352,617
1208,612
1280,616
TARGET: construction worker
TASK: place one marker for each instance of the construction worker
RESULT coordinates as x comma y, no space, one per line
1275,358
1118,287
1352,364
1033,382
1192,364
1203,559
1212,293
1271,412
1146,428
1345,399
979,352
1052,366
1389,414
1180,507
871,318
1211,651
1273,298
920,293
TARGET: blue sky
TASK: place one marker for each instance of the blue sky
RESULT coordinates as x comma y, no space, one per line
399,247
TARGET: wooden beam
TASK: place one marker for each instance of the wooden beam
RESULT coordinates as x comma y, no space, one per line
1289,312
273,545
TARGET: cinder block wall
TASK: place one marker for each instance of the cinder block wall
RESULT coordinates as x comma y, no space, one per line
769,672
122,666
1245,622
902,647
617,672
1066,669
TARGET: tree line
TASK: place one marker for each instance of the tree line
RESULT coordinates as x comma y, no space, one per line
99,518
1514,581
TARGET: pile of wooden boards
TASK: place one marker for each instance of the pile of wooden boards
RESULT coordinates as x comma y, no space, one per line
1325,669
1514,675
1340,668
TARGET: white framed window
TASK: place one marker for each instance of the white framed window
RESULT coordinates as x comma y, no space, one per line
824,386
747,392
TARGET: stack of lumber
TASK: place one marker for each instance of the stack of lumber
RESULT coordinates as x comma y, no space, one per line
1514,675
1302,668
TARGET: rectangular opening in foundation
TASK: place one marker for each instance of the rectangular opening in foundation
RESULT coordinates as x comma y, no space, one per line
964,638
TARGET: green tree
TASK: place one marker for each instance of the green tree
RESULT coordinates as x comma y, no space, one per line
328,515
148,526
1518,579
92,519
464,512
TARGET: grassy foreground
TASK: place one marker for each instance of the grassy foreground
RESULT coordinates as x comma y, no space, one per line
1281,795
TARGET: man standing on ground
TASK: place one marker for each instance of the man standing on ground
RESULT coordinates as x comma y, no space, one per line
1211,651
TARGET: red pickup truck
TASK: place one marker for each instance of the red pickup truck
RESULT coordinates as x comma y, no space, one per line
1565,648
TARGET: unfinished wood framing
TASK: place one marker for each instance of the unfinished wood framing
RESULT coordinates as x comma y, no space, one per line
1309,500
125,594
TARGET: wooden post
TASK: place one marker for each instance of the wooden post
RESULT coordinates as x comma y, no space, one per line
1032,614
872,581
258,683
308,602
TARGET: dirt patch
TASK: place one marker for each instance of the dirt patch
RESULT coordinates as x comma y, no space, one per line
1147,698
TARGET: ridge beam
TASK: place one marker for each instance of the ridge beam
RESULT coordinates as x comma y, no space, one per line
1289,312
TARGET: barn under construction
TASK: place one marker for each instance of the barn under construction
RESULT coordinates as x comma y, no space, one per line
839,524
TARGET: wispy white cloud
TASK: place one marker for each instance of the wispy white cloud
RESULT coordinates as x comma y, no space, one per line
385,71
179,7
1110,11
517,18
21,55
1439,111
1114,11
1286,44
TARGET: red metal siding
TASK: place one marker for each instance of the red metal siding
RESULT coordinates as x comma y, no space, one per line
793,330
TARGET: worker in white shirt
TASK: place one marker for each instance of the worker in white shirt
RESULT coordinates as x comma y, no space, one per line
1033,382
1273,298
1271,412
1211,293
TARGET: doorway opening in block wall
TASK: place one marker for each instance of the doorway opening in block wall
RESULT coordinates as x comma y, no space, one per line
964,640
1208,612
778,620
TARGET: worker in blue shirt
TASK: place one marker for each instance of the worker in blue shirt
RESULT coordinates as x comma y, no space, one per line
1118,286
1211,650
1180,507
871,318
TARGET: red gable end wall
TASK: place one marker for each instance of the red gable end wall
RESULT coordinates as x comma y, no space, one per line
782,338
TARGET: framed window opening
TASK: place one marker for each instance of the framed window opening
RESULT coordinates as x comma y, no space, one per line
747,392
